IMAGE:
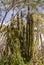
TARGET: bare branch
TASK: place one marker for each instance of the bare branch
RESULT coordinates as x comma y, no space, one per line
5,15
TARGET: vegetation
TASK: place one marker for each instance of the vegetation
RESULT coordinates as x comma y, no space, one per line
21,47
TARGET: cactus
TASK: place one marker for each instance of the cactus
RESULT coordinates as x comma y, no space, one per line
26,38
29,36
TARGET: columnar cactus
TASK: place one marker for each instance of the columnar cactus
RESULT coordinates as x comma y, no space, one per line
29,35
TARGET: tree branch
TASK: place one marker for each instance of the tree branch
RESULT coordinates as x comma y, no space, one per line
8,11
6,15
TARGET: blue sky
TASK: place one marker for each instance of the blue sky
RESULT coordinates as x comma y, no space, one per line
41,9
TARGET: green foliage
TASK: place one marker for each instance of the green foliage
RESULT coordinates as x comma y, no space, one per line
19,46
20,37
40,63
12,55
